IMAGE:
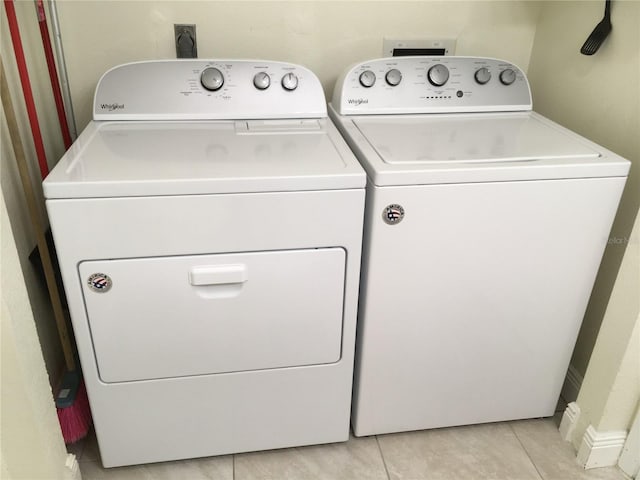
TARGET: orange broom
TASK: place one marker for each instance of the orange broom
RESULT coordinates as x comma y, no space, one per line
71,402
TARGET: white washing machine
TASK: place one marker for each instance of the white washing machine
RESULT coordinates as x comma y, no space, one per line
485,225
208,223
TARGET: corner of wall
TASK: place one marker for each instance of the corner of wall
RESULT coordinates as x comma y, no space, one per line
32,444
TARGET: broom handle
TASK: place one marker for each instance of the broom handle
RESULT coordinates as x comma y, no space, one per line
36,221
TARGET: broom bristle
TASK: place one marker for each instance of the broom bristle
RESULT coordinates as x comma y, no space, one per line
75,420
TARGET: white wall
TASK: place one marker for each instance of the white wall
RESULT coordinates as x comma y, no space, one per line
326,36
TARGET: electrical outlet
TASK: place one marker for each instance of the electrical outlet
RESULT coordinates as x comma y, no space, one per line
186,44
392,47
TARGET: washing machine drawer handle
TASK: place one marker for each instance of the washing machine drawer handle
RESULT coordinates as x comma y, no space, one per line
218,274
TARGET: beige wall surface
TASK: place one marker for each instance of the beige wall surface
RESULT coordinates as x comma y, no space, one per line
32,446
599,97
326,36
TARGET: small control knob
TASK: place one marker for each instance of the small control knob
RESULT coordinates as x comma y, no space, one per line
393,77
438,75
212,79
290,81
367,78
261,80
482,75
507,76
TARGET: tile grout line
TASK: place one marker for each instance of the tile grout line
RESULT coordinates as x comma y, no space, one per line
526,451
384,463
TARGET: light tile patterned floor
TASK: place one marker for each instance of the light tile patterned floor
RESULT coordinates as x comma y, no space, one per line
522,450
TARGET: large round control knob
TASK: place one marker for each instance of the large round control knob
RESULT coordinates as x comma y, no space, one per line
482,75
261,80
367,78
393,77
508,76
289,81
438,75
212,79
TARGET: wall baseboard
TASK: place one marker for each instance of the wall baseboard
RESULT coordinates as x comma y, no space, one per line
73,467
629,461
572,384
569,421
600,449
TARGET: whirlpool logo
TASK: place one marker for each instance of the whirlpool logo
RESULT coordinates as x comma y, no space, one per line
356,102
110,107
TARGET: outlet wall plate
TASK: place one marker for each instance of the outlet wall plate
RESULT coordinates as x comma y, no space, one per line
393,47
185,39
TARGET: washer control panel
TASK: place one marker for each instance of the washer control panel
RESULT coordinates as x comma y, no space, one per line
208,90
431,85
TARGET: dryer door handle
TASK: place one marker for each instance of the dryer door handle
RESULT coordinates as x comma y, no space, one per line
218,274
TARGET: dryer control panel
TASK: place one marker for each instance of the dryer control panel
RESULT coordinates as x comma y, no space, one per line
431,85
208,90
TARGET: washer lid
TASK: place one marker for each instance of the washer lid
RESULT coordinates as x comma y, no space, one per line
117,159
409,150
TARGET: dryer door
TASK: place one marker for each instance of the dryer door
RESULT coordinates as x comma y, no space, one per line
175,316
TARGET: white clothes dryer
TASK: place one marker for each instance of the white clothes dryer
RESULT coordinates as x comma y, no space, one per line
485,225
208,224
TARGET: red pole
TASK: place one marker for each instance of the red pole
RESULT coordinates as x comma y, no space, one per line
26,86
53,74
